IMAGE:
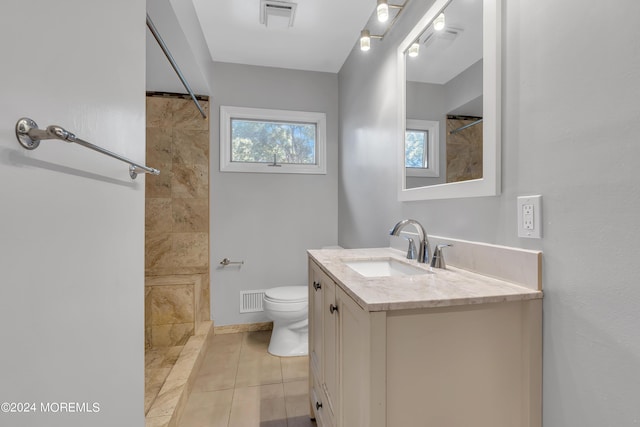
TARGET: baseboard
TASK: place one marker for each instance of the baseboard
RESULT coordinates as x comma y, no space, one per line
245,327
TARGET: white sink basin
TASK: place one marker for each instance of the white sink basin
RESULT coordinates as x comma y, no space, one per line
384,267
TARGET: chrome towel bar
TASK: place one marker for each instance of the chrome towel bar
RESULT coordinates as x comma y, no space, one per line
29,136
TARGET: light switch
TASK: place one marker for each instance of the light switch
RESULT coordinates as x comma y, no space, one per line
529,216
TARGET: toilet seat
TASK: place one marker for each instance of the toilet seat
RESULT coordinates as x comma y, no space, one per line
287,294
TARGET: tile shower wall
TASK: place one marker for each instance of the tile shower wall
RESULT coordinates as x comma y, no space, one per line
176,221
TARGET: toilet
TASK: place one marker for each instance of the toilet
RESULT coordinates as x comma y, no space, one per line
287,306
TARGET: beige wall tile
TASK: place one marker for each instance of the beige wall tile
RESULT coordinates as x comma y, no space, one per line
190,147
172,304
187,116
153,358
158,185
190,249
147,318
177,211
157,249
189,215
464,151
147,337
159,147
171,335
158,215
205,299
189,181
171,356
159,111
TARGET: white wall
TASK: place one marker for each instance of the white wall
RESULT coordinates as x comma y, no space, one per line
571,120
268,220
71,220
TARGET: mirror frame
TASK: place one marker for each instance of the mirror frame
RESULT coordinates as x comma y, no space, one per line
490,183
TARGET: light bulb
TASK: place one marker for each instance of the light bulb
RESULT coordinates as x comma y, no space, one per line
438,23
365,40
414,49
383,10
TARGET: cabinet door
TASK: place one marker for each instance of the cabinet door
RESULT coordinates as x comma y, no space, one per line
330,313
361,362
316,304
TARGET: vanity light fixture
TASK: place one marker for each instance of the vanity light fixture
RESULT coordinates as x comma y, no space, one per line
365,40
414,49
382,12
438,23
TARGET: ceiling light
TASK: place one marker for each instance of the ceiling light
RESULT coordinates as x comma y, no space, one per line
414,49
383,10
438,23
365,40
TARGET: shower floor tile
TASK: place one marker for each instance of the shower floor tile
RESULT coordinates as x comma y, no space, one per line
157,365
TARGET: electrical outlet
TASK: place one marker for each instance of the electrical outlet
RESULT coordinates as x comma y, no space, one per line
529,216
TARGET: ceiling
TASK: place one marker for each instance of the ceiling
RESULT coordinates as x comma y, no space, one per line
323,34
442,58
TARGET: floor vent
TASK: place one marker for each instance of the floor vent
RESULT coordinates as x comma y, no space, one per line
251,301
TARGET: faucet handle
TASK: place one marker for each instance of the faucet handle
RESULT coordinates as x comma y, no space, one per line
411,251
438,257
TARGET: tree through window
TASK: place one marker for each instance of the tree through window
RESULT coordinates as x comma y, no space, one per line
272,141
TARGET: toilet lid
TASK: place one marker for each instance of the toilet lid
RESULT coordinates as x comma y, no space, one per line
287,293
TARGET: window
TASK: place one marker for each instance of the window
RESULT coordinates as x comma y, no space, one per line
421,148
272,141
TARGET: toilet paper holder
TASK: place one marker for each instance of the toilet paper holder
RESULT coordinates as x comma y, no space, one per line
227,261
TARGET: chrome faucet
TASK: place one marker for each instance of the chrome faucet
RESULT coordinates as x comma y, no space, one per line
424,251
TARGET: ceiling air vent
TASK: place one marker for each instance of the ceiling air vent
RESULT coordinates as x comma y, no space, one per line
274,13
443,38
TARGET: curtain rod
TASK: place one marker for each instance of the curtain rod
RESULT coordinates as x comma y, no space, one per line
165,49
460,129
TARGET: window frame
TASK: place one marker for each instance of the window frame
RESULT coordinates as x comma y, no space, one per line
227,113
432,150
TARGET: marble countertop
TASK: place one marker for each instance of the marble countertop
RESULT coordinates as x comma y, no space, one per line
443,288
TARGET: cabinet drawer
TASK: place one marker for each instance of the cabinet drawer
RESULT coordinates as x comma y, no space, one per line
317,403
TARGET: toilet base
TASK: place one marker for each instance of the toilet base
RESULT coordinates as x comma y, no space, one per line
287,341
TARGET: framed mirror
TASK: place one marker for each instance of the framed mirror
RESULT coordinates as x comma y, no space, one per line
449,108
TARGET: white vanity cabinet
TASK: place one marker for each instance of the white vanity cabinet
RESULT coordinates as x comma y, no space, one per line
462,365
323,346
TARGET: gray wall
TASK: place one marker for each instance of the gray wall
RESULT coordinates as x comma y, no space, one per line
71,220
571,120
268,220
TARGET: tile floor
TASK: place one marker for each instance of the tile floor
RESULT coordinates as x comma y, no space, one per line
241,385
